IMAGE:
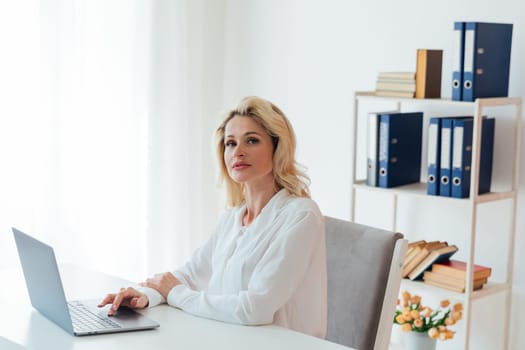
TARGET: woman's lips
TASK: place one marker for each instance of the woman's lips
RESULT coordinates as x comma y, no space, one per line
240,166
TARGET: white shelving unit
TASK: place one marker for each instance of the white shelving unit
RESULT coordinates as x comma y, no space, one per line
418,191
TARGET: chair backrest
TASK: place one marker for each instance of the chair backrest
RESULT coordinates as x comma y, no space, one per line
364,275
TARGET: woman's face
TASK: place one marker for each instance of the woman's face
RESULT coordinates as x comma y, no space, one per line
248,152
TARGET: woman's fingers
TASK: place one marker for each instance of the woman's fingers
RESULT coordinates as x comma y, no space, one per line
126,297
107,300
120,298
138,302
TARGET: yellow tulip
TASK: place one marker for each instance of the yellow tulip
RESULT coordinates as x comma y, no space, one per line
418,323
416,299
449,321
444,303
406,327
407,316
456,315
458,307
406,295
414,314
400,319
433,333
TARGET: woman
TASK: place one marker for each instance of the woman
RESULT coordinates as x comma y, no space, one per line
266,261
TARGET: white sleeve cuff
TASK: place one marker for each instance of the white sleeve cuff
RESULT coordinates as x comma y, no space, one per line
180,276
154,297
177,294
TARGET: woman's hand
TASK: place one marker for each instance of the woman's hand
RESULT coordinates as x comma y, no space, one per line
129,297
162,282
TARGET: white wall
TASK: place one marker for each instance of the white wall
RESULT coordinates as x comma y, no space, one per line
310,56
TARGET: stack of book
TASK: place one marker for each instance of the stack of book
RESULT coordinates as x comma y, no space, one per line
421,255
396,84
452,275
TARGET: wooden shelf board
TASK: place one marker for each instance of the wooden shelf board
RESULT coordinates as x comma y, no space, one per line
489,289
420,189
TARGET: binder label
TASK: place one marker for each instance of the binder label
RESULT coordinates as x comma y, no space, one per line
469,51
445,148
457,156
383,141
432,143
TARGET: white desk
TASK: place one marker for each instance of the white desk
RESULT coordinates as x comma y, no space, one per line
21,324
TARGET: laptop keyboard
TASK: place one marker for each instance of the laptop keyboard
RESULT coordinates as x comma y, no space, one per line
85,320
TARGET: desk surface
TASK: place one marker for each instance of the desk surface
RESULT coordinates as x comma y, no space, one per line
21,324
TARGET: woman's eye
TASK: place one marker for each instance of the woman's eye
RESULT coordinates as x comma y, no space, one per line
230,144
252,140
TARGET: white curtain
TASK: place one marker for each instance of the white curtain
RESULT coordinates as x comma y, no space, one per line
186,103
21,128
117,157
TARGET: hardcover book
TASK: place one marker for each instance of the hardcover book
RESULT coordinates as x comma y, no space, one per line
428,73
452,287
458,282
437,255
396,85
458,269
397,75
405,94
421,255
413,249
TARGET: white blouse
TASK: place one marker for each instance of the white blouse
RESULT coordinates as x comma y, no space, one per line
272,271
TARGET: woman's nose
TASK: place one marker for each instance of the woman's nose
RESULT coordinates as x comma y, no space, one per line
239,151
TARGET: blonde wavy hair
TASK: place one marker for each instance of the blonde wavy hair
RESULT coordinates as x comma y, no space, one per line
287,172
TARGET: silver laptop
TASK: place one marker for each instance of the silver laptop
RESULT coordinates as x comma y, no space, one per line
47,295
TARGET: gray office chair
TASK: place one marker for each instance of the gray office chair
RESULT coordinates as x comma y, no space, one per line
364,275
